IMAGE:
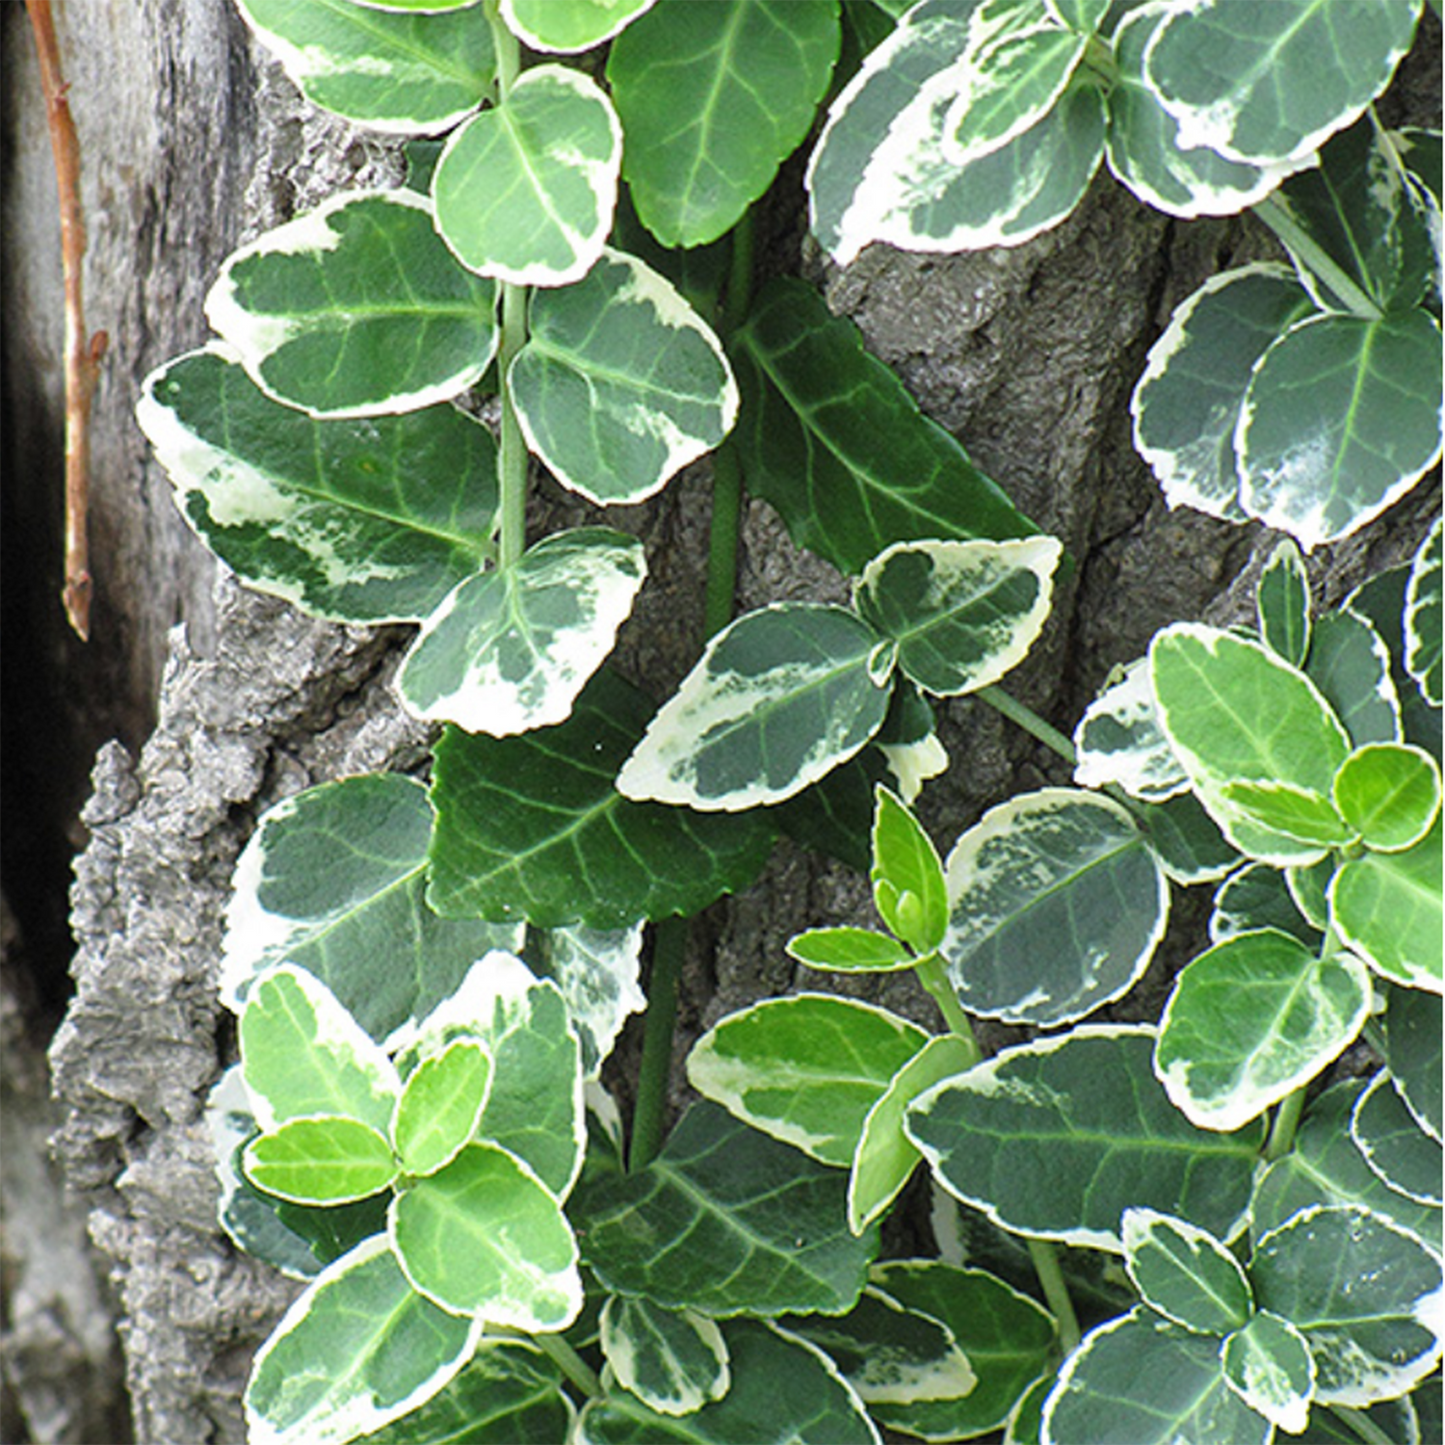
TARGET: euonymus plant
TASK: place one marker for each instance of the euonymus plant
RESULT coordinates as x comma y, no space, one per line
1145,1231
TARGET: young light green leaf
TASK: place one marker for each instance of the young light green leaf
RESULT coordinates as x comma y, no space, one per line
1223,1065
323,513
804,1069
1282,603
303,1054
525,191
814,405
908,884
674,1361
621,383
509,651
1184,1273
1119,740
320,1159
1254,897
528,827
783,1389
1268,1365
779,698
886,1156
1423,608
1388,908
1413,1035
356,308
1393,1144
440,1105
358,1349
847,950
1234,712
485,1237
1328,1269
1186,405
333,881
566,27
402,74
1143,1379
1282,810
1341,418
1057,1138
1056,907
1007,1338
1389,793
963,613
1274,82
1085,16
726,1221
714,97
597,971
1144,150
1350,665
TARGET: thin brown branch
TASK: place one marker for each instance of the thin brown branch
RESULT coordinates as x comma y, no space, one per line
82,352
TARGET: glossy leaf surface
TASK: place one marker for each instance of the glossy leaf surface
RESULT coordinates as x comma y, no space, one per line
1269,1366
1389,793
440,1105
569,26
1413,1037
1394,1145
674,1361
1184,1273
909,889
320,1159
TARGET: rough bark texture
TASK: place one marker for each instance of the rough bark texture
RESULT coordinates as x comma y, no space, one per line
192,143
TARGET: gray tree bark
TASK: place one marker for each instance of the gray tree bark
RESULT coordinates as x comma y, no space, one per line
225,702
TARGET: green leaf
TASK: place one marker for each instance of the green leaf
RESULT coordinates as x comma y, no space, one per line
1412,1050
1275,81
889,168
568,26
1255,897
1283,810
1086,16
886,1156
1350,665
1144,151
1186,405
358,1349
1282,604
403,74
727,1221
1056,1138
1341,418
784,1390
528,827
908,883
621,383
714,95
333,880
351,521
1223,1064
1389,793
1007,1338
1393,1144
1142,1379
355,308
1381,601
1423,608
1387,907
962,613
525,191
440,1105
1056,907
320,1159
303,1054
1234,712
1269,1366
1026,1421
1184,1273
1362,1292
674,1361
509,651
832,439
1186,840
1119,740
779,698
484,1236
597,971
804,1069
847,950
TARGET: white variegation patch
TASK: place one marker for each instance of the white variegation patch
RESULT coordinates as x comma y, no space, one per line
913,764
597,970
674,1361
1119,741
1257,1362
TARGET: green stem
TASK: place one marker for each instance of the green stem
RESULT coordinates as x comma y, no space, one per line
1056,1292
1029,721
1273,212
932,975
669,946
1286,1121
1361,1424
572,1365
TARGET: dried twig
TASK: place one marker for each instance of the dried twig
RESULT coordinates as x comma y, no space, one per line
82,353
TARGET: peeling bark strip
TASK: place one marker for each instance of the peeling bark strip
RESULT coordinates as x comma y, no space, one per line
82,356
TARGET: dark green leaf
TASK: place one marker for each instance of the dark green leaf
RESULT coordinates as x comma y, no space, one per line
1282,603
1350,665
1394,1145
1412,1050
